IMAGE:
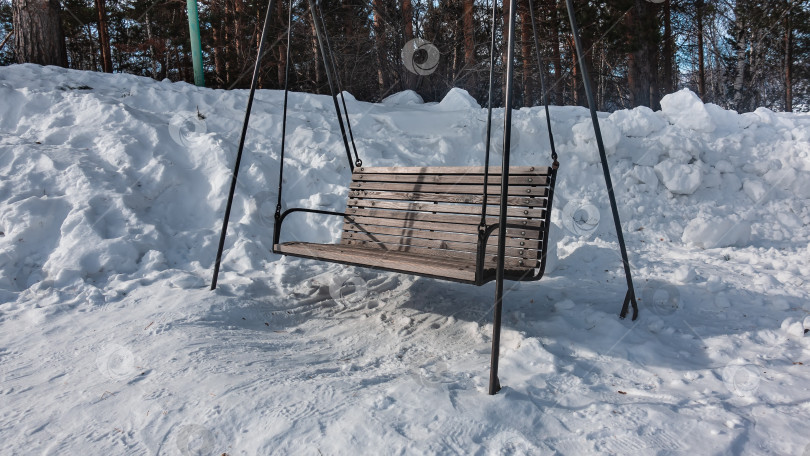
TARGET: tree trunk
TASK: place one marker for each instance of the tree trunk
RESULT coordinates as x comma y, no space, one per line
348,19
407,19
554,30
640,22
167,57
600,81
788,59
38,35
456,57
152,55
282,44
408,79
669,49
716,76
701,63
505,33
379,44
577,92
739,100
219,56
526,46
315,52
240,42
104,38
655,84
227,41
469,33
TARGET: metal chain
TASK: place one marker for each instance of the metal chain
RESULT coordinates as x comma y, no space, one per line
541,66
284,112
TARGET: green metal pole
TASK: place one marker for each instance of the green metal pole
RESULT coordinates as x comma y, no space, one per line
196,48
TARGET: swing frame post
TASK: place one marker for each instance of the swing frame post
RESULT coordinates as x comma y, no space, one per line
494,382
235,174
630,297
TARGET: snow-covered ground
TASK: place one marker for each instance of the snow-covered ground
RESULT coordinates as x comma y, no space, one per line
112,194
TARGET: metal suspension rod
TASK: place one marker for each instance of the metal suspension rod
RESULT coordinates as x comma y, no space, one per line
328,67
284,115
253,84
541,66
630,297
489,116
357,161
494,383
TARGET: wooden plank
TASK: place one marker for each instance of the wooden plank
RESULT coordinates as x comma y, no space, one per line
531,201
414,263
450,179
350,231
532,230
431,217
511,262
471,209
447,189
394,261
513,170
424,251
391,242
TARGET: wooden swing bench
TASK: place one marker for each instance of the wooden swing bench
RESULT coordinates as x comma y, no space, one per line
438,221
427,221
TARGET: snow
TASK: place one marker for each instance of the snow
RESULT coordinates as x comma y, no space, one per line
112,192
406,97
679,178
585,139
715,232
458,100
684,109
639,122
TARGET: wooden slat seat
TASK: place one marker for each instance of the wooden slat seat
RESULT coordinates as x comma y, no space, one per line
425,221
406,262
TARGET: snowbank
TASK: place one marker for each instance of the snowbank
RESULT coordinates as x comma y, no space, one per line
407,97
458,100
684,109
112,192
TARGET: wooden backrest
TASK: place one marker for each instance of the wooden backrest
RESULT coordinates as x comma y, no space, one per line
435,211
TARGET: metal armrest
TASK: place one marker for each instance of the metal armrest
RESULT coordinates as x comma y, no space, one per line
483,238
280,220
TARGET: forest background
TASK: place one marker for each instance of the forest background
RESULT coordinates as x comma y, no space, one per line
738,54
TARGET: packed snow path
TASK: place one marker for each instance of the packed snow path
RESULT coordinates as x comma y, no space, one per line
113,188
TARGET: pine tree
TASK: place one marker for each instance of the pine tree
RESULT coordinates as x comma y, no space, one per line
38,35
